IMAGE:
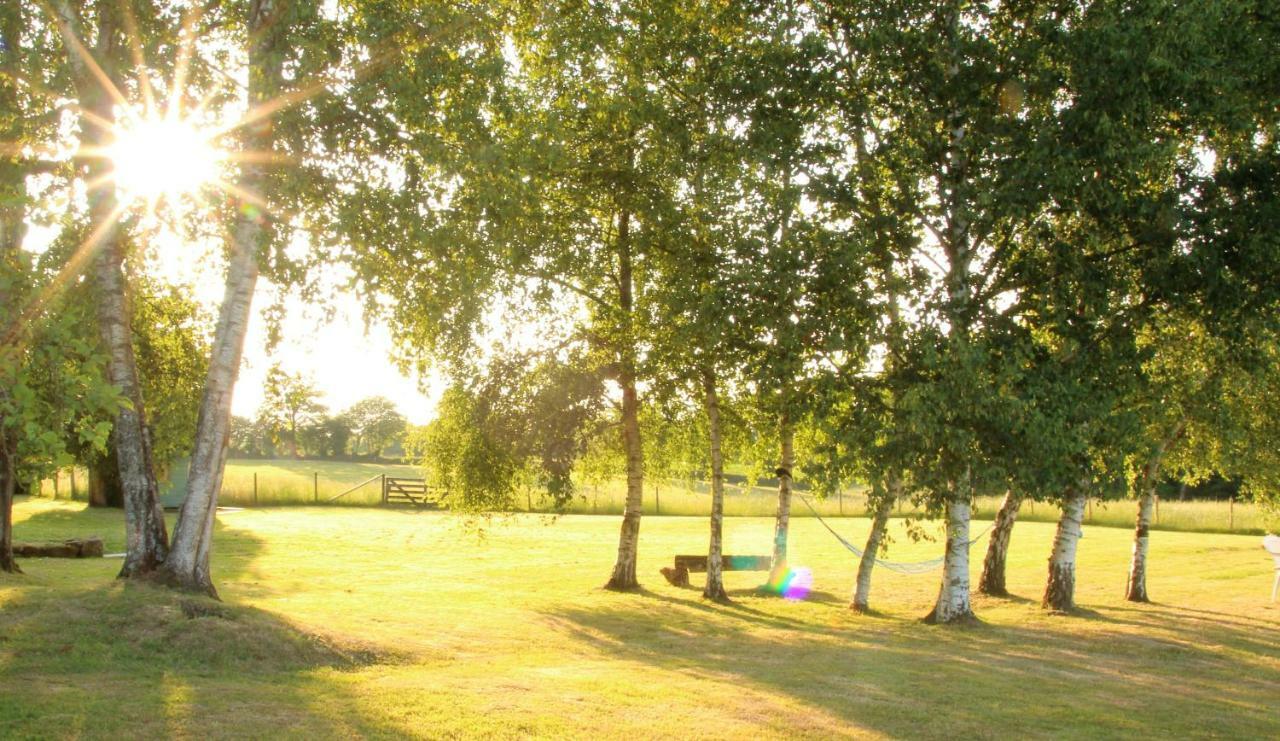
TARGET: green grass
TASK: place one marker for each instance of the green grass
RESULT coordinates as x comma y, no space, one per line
379,623
679,498
295,482
278,482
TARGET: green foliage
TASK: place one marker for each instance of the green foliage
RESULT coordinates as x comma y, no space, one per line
53,392
372,424
290,404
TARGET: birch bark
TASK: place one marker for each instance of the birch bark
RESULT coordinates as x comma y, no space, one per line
993,567
624,569
714,589
1059,593
187,566
146,540
953,603
879,523
782,521
1136,589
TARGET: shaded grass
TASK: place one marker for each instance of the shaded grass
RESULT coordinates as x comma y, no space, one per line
394,623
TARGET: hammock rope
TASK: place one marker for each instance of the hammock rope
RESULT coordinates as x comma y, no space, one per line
916,567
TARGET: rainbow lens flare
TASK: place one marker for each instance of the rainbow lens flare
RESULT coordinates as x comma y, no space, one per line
792,583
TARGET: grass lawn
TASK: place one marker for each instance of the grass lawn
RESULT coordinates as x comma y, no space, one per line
368,622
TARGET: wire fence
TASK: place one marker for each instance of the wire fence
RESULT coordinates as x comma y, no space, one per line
294,483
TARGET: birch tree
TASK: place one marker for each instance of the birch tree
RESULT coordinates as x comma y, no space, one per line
187,566
94,48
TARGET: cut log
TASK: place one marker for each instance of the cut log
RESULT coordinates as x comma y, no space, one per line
74,548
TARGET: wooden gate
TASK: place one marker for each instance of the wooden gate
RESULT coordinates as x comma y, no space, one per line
409,491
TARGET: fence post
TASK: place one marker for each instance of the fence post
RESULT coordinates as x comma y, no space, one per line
315,485
840,494
657,501
1231,513
384,488
255,488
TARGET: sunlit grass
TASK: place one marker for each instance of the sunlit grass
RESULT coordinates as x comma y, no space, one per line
292,482
386,623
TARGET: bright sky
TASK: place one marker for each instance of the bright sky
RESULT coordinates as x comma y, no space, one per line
346,362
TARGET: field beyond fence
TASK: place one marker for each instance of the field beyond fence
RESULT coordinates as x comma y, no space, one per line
266,483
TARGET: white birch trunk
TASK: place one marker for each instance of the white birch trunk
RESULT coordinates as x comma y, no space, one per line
146,542
188,564
782,521
953,603
879,523
1059,593
714,589
624,569
992,581
1136,588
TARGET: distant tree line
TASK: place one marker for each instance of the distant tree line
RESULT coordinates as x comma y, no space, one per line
293,423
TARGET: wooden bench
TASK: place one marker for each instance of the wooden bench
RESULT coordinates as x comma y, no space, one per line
679,575
74,548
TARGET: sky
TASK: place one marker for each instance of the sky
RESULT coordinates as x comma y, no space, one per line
346,361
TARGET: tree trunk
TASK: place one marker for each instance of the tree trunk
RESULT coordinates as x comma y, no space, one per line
782,522
715,572
1136,590
879,523
7,487
992,581
1059,592
147,542
953,604
624,569
104,481
13,218
188,564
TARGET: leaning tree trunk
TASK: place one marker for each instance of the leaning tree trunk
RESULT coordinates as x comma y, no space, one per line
953,603
992,581
715,572
1136,590
147,543
782,522
624,569
188,564
879,523
1059,592
7,487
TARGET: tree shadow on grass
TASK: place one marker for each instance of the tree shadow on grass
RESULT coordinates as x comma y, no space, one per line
109,658
907,679
134,660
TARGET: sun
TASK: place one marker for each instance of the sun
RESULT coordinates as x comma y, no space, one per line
164,158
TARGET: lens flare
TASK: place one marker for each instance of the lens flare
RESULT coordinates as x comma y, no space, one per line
791,583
